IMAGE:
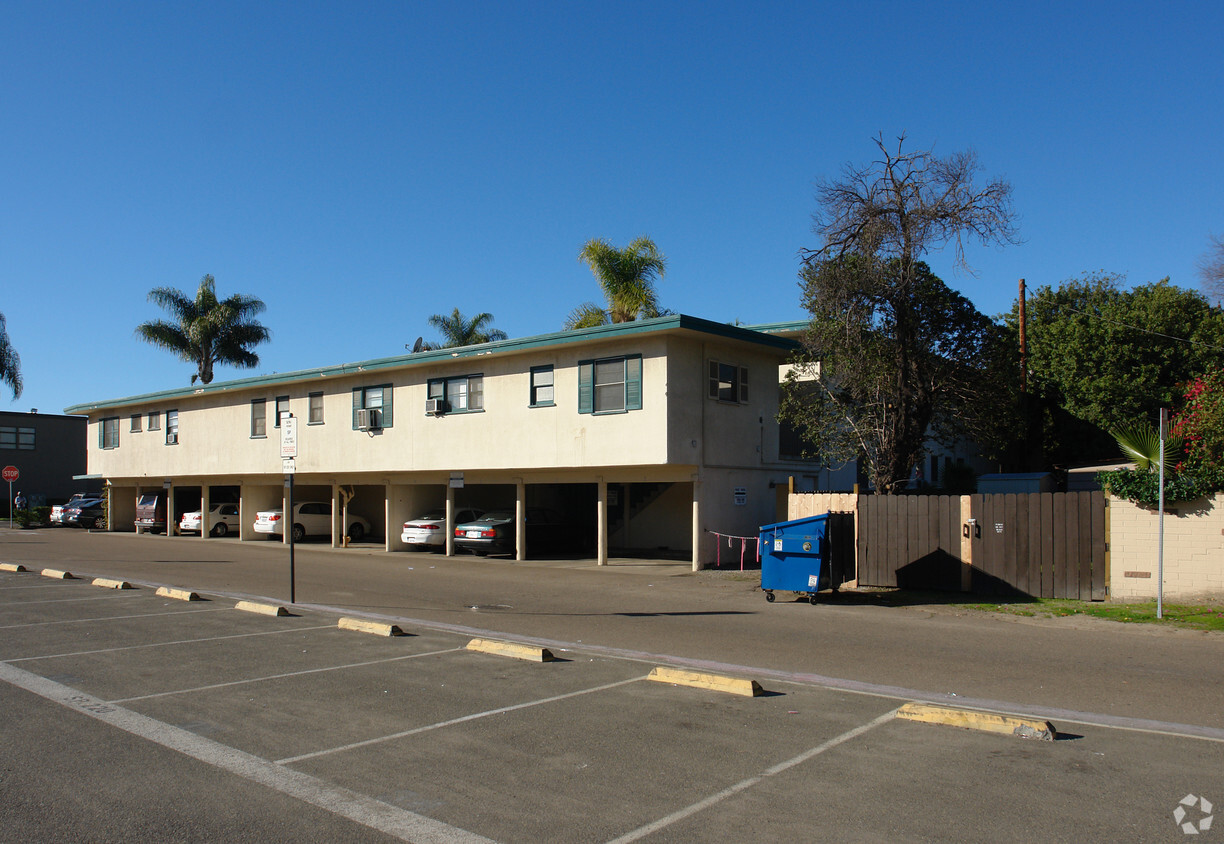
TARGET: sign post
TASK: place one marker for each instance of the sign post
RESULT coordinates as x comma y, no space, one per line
10,474
289,465
1164,433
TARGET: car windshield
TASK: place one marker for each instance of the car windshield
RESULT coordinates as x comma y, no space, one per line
497,516
432,516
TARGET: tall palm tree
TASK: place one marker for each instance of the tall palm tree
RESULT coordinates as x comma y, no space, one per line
207,332
627,277
10,362
456,330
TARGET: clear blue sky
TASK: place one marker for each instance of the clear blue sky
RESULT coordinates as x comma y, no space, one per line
360,166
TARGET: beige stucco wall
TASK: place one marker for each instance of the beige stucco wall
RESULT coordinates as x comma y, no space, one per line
1193,549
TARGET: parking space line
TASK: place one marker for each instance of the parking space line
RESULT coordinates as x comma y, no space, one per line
461,720
106,597
742,785
360,808
111,618
168,644
283,676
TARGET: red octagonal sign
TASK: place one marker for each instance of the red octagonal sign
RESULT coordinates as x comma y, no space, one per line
10,473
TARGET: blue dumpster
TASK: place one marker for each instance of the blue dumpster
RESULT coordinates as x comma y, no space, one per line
793,555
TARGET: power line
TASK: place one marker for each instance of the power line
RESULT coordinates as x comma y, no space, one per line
1145,330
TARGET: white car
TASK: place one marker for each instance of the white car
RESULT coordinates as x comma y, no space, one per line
310,518
429,530
222,519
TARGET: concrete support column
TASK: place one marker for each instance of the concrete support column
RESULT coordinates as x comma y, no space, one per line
450,520
171,522
204,505
601,523
696,523
520,520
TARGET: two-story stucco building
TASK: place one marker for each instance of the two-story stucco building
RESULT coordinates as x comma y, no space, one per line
651,435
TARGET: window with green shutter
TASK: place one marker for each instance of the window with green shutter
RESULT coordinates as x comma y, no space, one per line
610,385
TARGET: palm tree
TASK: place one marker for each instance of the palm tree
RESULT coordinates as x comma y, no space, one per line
459,331
207,332
1142,445
627,277
10,362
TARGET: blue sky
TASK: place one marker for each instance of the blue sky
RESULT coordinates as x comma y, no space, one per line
361,166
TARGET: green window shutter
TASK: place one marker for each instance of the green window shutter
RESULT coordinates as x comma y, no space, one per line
101,433
586,386
633,382
358,400
386,408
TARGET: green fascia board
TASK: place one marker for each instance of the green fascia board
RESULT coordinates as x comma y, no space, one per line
658,325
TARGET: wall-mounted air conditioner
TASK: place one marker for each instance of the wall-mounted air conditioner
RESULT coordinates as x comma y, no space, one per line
435,407
172,439
368,419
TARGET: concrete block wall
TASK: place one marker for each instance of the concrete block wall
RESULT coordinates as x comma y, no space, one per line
1193,549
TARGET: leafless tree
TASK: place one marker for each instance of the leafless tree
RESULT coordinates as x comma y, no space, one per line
1211,269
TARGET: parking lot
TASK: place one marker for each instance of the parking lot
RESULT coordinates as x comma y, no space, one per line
134,716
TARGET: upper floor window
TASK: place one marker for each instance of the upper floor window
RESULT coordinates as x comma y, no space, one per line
135,423
171,427
610,385
315,410
282,407
108,432
259,417
376,404
728,383
154,420
463,394
541,386
21,439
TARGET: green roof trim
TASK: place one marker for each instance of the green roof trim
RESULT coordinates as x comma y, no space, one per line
658,325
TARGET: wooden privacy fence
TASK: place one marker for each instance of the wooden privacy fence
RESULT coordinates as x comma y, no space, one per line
1048,545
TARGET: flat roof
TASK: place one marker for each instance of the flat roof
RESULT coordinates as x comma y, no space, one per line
766,335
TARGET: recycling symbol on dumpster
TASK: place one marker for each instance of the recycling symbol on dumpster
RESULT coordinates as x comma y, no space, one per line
1205,816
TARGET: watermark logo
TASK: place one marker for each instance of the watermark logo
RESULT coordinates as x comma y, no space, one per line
1187,806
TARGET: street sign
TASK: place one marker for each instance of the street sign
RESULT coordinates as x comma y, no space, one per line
10,474
288,465
288,436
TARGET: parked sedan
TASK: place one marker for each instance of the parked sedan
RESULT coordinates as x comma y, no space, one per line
222,518
493,533
429,530
84,513
310,518
57,510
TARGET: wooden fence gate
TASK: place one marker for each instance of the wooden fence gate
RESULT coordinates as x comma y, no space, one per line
1048,545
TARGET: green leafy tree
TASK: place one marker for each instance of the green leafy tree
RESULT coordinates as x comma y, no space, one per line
10,362
900,355
457,330
205,331
1103,359
627,277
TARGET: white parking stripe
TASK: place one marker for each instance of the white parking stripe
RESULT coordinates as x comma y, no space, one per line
110,596
731,791
404,825
473,717
282,676
112,618
176,642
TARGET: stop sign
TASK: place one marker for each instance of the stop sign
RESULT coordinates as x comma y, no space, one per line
10,473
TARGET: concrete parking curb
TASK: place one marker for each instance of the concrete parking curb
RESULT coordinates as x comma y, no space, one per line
111,584
703,680
12,567
262,609
57,574
177,594
530,653
376,628
975,720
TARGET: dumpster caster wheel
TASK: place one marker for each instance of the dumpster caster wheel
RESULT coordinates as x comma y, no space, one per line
812,598
769,596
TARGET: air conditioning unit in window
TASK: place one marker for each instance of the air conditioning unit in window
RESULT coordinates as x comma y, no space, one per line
435,407
368,419
171,439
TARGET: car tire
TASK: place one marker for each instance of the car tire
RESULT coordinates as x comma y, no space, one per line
299,533
100,523
220,529
356,532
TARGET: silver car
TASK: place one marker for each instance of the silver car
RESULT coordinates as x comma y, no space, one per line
429,531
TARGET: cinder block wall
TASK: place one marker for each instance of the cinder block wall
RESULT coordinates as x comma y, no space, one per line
1193,549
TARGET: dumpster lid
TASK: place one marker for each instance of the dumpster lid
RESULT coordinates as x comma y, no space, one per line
796,522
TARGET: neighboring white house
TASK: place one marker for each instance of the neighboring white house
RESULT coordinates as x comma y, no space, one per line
652,435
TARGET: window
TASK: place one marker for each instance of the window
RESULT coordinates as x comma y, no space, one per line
154,421
728,383
17,438
282,407
315,411
541,386
259,418
135,423
377,399
464,394
108,432
171,427
610,385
